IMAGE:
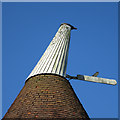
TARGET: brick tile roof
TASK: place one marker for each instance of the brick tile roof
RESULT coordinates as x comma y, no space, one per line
47,96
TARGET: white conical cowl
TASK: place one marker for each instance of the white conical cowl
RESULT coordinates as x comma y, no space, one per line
54,59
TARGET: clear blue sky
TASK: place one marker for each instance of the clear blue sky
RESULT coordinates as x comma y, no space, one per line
28,29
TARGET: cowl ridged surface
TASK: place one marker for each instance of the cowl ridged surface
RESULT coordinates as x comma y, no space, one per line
54,59
47,97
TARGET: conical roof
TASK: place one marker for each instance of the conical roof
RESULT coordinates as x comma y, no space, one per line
47,97
47,94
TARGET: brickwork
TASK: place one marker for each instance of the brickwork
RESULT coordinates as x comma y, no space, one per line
47,96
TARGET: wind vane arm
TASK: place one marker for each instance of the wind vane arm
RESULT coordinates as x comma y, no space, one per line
93,79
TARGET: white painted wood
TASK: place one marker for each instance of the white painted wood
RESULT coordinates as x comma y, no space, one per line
54,59
96,79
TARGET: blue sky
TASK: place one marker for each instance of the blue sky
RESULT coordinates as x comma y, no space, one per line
28,28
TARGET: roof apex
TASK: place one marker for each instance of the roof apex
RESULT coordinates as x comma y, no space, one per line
72,27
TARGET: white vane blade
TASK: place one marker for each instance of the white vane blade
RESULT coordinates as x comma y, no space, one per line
96,79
